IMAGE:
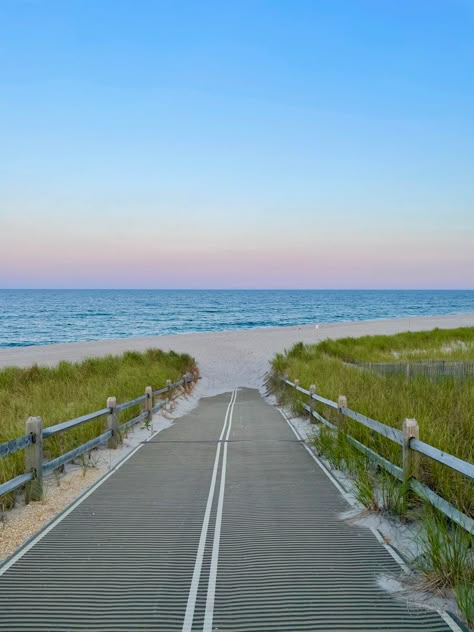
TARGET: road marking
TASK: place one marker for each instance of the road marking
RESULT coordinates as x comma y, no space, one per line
211,590
39,536
443,614
333,480
391,551
191,605
451,622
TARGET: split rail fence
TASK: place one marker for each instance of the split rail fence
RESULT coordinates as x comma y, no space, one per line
411,446
32,441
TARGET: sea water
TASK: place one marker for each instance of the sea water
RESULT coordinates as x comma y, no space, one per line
35,317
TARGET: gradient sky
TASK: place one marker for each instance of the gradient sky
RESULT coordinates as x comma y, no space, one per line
310,144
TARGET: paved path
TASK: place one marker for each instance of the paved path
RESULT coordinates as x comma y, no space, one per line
223,522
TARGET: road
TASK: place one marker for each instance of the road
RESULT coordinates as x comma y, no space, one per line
223,522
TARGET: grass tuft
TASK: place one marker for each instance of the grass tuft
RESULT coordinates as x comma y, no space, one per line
446,553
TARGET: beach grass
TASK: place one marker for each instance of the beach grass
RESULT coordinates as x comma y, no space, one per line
444,408
72,389
437,344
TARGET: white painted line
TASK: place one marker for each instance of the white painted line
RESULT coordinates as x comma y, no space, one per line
26,547
391,551
444,615
211,590
450,621
333,480
191,605
67,511
387,547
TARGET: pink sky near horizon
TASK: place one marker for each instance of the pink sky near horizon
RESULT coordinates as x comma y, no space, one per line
187,258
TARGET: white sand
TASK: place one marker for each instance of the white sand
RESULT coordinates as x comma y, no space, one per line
228,358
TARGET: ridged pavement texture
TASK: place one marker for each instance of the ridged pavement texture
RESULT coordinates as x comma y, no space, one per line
123,559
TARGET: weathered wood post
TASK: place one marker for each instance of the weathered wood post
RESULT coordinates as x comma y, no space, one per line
341,403
411,459
112,423
185,382
312,391
168,399
148,406
34,459
296,383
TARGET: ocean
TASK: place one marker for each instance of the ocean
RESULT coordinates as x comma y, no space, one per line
38,317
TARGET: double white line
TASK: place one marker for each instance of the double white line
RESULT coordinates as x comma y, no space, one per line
209,613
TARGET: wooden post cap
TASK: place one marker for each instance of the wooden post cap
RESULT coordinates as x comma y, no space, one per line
342,401
111,402
410,429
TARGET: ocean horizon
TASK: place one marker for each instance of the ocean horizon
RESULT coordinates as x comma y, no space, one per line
38,317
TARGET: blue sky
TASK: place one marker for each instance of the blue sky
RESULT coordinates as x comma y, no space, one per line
246,144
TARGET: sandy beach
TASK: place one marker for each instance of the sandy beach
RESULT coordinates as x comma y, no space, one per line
228,358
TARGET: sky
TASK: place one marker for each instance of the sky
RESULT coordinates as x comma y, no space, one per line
246,144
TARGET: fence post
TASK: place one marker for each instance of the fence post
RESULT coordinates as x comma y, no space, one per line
34,459
185,382
296,383
148,405
112,423
341,403
312,389
411,460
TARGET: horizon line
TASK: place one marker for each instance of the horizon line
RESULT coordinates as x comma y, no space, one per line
231,289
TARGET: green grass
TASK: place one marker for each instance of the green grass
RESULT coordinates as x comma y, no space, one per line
70,390
444,409
438,344
446,555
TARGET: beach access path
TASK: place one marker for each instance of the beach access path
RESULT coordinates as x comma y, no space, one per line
224,521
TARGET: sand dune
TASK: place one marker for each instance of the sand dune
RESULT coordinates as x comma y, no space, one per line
228,358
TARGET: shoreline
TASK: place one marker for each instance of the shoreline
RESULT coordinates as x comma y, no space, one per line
235,357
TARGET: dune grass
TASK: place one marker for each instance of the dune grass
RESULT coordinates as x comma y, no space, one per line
444,409
73,389
437,344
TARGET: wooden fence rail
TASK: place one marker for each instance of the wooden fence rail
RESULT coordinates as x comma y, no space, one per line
32,441
411,446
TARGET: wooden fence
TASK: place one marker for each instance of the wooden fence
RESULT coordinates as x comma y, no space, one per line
410,445
32,441
430,368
